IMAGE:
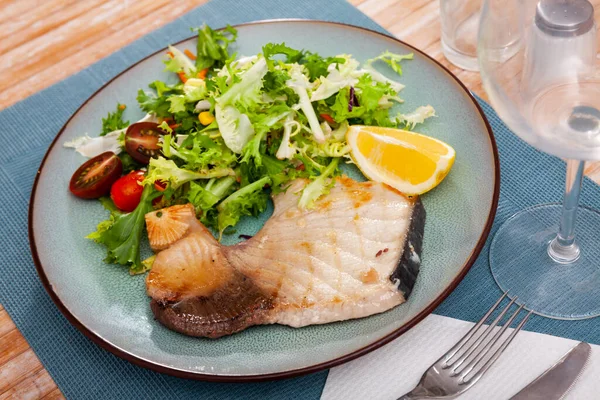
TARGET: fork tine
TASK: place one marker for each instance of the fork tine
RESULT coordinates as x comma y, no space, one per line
479,358
500,350
469,334
481,339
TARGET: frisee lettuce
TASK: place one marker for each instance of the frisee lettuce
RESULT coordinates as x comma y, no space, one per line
318,187
179,62
211,50
163,170
391,59
114,120
249,200
278,116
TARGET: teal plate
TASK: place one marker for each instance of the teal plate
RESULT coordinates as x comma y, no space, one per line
112,308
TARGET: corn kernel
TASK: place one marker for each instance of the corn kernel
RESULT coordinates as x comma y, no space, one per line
206,118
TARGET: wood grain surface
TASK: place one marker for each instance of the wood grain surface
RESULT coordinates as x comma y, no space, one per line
45,41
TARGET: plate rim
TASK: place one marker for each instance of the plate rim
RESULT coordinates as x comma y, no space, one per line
295,372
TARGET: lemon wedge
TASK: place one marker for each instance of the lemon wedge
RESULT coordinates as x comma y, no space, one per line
407,161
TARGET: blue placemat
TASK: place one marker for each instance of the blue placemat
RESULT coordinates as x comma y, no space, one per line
83,370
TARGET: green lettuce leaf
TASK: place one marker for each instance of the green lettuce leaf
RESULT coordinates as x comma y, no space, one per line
205,197
177,103
418,116
249,200
317,65
212,46
319,187
180,63
161,169
122,233
200,152
392,59
272,49
114,120
153,104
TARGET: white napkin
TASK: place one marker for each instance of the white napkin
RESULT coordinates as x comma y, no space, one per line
396,368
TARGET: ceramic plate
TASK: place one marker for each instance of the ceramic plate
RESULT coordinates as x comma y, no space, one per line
112,308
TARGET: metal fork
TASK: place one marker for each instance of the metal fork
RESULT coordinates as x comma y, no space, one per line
465,363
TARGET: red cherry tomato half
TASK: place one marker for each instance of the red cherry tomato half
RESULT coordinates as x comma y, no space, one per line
141,141
95,177
126,192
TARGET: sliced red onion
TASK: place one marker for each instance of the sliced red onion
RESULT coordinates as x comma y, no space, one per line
351,99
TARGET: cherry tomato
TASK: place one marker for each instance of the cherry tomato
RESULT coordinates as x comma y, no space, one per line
141,141
126,192
95,177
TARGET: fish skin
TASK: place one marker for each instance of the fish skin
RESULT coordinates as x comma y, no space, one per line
405,275
231,308
357,253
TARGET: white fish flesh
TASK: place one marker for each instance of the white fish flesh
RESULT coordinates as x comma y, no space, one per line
357,253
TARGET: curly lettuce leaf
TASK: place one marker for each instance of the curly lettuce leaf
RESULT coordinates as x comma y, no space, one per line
300,84
392,60
338,76
418,116
212,47
162,88
114,120
249,200
286,149
272,49
179,62
316,65
318,187
235,127
161,169
205,197
198,151
177,103
246,91
157,105
276,88
271,119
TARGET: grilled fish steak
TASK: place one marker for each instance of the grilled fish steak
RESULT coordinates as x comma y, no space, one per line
355,254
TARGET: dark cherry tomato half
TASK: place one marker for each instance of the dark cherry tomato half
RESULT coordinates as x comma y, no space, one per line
126,192
141,141
95,177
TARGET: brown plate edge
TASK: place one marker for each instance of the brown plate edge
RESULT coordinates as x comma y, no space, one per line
301,371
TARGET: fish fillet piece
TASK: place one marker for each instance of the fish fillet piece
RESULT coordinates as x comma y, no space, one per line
357,253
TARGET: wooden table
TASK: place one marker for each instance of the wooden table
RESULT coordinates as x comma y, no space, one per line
43,42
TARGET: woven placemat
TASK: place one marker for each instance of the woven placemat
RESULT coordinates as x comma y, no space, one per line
83,370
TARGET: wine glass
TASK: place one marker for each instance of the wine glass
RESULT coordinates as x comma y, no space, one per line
541,70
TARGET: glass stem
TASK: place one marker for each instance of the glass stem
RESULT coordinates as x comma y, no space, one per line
563,248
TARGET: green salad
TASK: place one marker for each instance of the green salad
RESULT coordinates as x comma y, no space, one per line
230,132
